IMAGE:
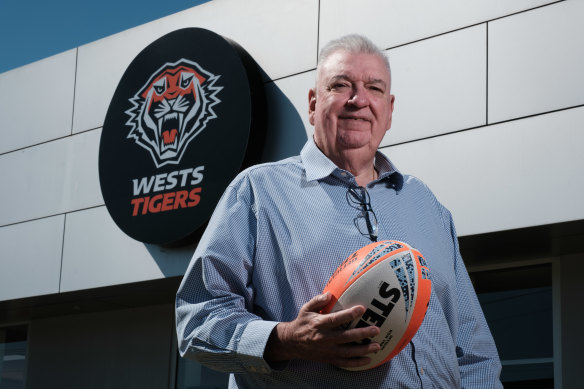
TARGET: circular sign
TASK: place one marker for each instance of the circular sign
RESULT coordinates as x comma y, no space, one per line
177,132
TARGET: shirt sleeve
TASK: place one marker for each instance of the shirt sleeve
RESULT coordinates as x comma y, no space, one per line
215,322
477,355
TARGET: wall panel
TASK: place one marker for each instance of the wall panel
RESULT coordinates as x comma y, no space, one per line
51,178
30,262
535,61
36,103
97,253
511,175
439,84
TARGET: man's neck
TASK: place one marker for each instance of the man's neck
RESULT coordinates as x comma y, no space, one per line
359,161
362,168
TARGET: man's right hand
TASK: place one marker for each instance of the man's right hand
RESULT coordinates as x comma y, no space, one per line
320,337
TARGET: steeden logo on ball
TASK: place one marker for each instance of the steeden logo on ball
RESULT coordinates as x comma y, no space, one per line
187,115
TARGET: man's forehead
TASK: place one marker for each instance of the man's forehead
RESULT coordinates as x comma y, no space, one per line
347,65
369,79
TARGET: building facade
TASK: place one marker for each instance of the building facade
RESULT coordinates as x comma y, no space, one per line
489,113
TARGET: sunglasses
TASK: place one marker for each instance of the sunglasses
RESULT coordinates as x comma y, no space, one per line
366,220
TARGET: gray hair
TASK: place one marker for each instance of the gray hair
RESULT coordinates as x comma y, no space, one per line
353,43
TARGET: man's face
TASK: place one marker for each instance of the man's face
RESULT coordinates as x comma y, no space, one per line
351,107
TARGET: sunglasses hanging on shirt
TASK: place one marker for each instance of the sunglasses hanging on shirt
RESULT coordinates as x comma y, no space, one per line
366,221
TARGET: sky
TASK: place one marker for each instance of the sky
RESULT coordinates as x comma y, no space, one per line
31,30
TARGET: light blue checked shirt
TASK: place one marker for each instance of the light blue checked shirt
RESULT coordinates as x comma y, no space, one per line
276,236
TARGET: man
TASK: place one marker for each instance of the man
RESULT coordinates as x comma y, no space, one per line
249,303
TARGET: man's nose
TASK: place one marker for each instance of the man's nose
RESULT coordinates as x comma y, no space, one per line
358,97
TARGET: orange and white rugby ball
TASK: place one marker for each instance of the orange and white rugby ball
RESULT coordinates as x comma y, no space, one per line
392,281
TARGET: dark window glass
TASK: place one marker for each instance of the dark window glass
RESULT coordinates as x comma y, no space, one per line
518,307
12,357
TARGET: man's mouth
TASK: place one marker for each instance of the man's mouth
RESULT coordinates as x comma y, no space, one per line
354,118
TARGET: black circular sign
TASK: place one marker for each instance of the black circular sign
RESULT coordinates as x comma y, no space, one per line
177,132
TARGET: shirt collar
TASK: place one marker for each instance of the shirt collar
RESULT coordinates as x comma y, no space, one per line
318,166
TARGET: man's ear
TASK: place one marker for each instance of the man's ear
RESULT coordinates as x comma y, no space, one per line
391,103
311,105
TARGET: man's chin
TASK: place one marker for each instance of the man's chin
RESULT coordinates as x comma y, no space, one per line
354,140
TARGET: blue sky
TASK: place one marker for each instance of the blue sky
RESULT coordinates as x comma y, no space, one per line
35,29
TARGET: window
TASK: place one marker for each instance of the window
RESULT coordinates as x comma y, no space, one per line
12,357
517,304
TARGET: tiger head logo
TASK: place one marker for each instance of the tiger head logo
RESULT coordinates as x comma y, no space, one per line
171,109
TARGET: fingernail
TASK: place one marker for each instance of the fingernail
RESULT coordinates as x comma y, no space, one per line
360,309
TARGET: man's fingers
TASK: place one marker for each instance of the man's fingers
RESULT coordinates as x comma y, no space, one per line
335,325
336,319
345,316
323,337
358,334
317,303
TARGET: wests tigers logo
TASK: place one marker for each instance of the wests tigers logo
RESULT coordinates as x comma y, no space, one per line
171,109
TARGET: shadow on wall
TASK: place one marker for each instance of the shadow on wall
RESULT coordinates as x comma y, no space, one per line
285,133
172,261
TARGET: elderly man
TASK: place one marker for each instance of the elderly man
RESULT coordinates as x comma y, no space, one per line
249,303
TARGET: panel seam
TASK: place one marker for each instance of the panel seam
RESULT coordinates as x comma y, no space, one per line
62,252
488,125
74,89
471,25
51,215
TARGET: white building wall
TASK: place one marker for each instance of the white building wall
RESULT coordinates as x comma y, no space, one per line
489,98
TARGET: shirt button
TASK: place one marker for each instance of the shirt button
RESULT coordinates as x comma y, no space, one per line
422,371
252,369
344,174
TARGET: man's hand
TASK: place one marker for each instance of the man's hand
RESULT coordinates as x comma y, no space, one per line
318,337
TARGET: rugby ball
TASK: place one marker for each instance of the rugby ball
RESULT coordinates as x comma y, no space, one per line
392,281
